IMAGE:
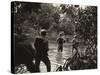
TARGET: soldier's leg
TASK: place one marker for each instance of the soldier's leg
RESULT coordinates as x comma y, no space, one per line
47,63
58,48
61,48
79,52
37,65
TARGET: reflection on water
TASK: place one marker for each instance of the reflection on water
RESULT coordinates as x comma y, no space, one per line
59,57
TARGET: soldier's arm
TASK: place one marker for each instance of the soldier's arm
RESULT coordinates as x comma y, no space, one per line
57,40
36,43
64,40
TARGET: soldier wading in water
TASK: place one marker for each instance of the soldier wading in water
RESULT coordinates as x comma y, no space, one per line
41,46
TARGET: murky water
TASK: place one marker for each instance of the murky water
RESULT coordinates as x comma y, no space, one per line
56,58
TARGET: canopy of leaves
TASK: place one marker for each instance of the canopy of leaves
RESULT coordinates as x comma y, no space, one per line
72,19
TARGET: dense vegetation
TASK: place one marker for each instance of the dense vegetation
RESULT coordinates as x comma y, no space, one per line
72,19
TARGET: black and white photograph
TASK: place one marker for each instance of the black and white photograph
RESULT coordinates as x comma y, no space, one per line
53,37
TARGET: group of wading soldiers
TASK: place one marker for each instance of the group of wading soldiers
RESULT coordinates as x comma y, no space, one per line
42,48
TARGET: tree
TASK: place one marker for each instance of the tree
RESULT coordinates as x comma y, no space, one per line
87,27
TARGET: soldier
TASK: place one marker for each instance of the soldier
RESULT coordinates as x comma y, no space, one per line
75,44
41,46
60,42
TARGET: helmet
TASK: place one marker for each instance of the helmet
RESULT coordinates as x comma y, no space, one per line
43,32
61,33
